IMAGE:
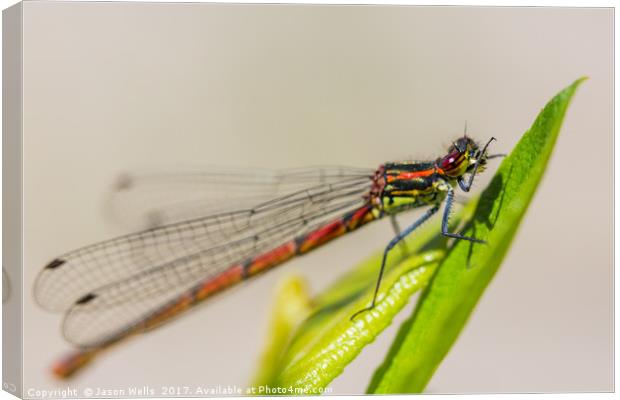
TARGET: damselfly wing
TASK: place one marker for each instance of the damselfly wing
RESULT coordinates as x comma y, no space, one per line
109,289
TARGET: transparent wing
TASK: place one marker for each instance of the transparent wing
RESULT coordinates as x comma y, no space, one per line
111,286
148,199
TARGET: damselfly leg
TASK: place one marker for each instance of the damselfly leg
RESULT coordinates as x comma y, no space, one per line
446,220
429,213
467,186
397,231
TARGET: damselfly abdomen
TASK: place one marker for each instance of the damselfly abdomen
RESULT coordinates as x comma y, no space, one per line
127,285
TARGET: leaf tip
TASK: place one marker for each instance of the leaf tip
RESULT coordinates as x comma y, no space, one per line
580,80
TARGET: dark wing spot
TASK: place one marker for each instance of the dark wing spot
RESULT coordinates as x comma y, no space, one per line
55,264
86,299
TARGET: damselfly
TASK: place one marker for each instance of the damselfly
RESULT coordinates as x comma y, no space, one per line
130,284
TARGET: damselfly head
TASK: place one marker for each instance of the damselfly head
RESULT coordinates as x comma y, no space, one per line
462,156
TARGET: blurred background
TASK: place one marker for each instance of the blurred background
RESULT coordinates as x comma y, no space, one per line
114,87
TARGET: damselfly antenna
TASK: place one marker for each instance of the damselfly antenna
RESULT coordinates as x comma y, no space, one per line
456,146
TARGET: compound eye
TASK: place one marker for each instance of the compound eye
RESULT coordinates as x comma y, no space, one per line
451,160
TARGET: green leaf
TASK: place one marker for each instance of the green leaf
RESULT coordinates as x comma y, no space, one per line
426,337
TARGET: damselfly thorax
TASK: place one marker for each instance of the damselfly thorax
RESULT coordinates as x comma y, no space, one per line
402,186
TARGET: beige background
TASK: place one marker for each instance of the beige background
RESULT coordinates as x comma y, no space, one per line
112,87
